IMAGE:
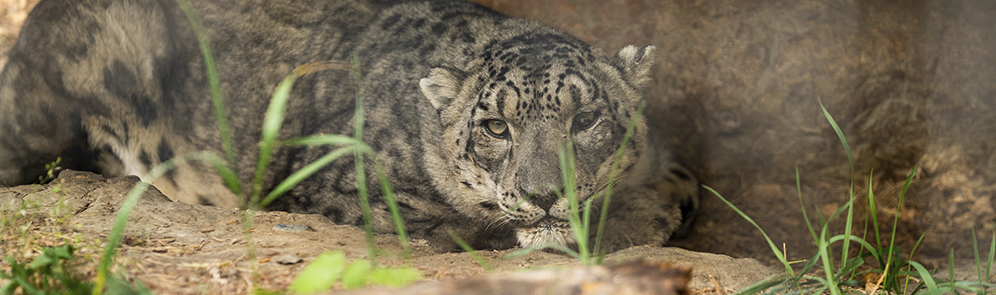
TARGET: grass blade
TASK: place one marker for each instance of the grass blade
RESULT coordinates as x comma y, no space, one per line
361,188
361,175
874,215
824,248
840,134
586,219
767,283
392,205
899,207
566,157
978,259
860,241
951,277
215,88
308,170
927,278
809,265
915,246
798,189
607,197
322,140
771,244
358,113
992,254
848,223
271,127
274,118
115,236
466,248
850,191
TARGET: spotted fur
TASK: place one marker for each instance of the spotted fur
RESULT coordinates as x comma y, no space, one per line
466,109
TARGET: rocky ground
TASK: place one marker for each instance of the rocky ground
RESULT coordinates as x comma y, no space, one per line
179,248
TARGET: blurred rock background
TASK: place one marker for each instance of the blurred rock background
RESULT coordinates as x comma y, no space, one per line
12,15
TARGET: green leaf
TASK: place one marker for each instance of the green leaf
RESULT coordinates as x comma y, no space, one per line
320,274
394,277
41,261
356,274
118,286
324,139
61,252
927,278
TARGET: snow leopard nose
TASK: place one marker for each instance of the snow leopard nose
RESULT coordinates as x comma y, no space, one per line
541,182
538,173
545,201
542,186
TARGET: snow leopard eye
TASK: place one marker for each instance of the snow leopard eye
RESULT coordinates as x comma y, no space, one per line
496,128
584,121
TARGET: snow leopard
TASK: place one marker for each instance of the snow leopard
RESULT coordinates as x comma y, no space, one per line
467,111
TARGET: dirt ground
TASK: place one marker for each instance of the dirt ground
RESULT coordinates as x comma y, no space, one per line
735,88
179,248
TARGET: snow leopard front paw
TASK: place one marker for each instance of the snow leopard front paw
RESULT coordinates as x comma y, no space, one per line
645,216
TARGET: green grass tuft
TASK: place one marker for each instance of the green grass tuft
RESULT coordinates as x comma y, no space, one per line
48,273
331,267
895,274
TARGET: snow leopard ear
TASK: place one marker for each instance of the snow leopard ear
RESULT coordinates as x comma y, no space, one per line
635,62
442,87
